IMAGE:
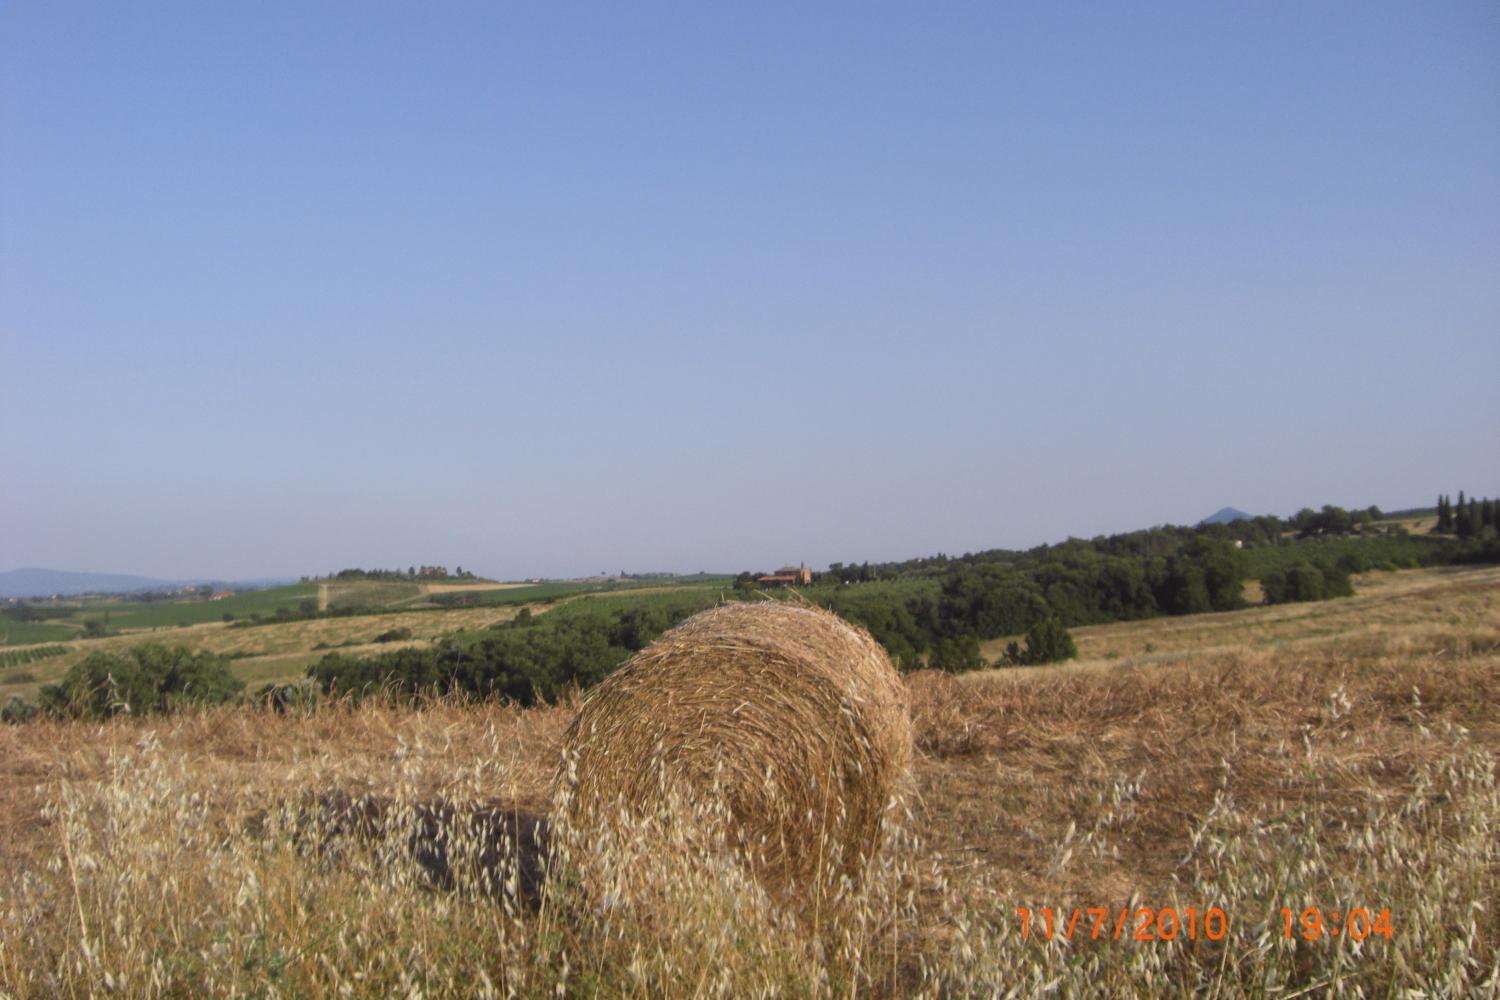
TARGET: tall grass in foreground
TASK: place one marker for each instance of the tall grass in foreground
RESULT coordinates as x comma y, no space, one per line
169,880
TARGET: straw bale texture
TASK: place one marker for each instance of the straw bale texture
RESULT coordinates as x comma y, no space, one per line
786,720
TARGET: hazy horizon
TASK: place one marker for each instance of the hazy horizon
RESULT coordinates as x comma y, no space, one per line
556,291
766,563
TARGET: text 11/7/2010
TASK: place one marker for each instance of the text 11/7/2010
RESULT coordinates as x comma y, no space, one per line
1143,923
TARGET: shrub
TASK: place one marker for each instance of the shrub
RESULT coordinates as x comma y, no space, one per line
956,655
1047,642
1307,581
145,679
288,697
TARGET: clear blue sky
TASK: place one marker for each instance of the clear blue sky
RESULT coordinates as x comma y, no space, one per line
549,289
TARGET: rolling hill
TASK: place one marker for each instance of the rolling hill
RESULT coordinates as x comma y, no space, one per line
35,582
1226,515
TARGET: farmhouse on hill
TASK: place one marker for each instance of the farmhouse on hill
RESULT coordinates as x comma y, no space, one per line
219,595
787,576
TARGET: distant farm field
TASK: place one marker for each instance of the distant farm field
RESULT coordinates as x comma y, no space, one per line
14,633
371,594
122,614
280,651
451,588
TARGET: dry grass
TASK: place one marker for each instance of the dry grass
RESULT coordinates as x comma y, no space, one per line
788,717
367,593
1344,757
1419,606
464,588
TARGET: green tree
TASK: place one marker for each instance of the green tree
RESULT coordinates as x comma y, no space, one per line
1463,520
1048,642
956,654
1223,569
1186,590
144,679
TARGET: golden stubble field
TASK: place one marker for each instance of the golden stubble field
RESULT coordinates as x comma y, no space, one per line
1339,755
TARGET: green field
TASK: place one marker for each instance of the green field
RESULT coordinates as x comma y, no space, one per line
553,590
282,650
14,633
117,615
65,621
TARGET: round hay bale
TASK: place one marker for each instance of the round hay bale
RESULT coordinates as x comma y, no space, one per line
785,720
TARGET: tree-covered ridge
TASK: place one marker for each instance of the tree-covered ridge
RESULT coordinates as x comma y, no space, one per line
937,611
428,574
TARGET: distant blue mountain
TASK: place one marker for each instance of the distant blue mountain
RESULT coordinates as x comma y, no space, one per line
1225,516
47,582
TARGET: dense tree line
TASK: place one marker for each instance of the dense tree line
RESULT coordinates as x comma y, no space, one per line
527,659
943,615
1468,519
411,573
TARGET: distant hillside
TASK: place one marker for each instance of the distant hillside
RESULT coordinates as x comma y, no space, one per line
32,582
1226,515
44,582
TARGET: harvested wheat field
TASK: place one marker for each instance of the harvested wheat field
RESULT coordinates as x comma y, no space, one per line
1125,827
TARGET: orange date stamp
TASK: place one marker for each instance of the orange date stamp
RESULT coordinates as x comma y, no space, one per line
1139,923
1189,923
